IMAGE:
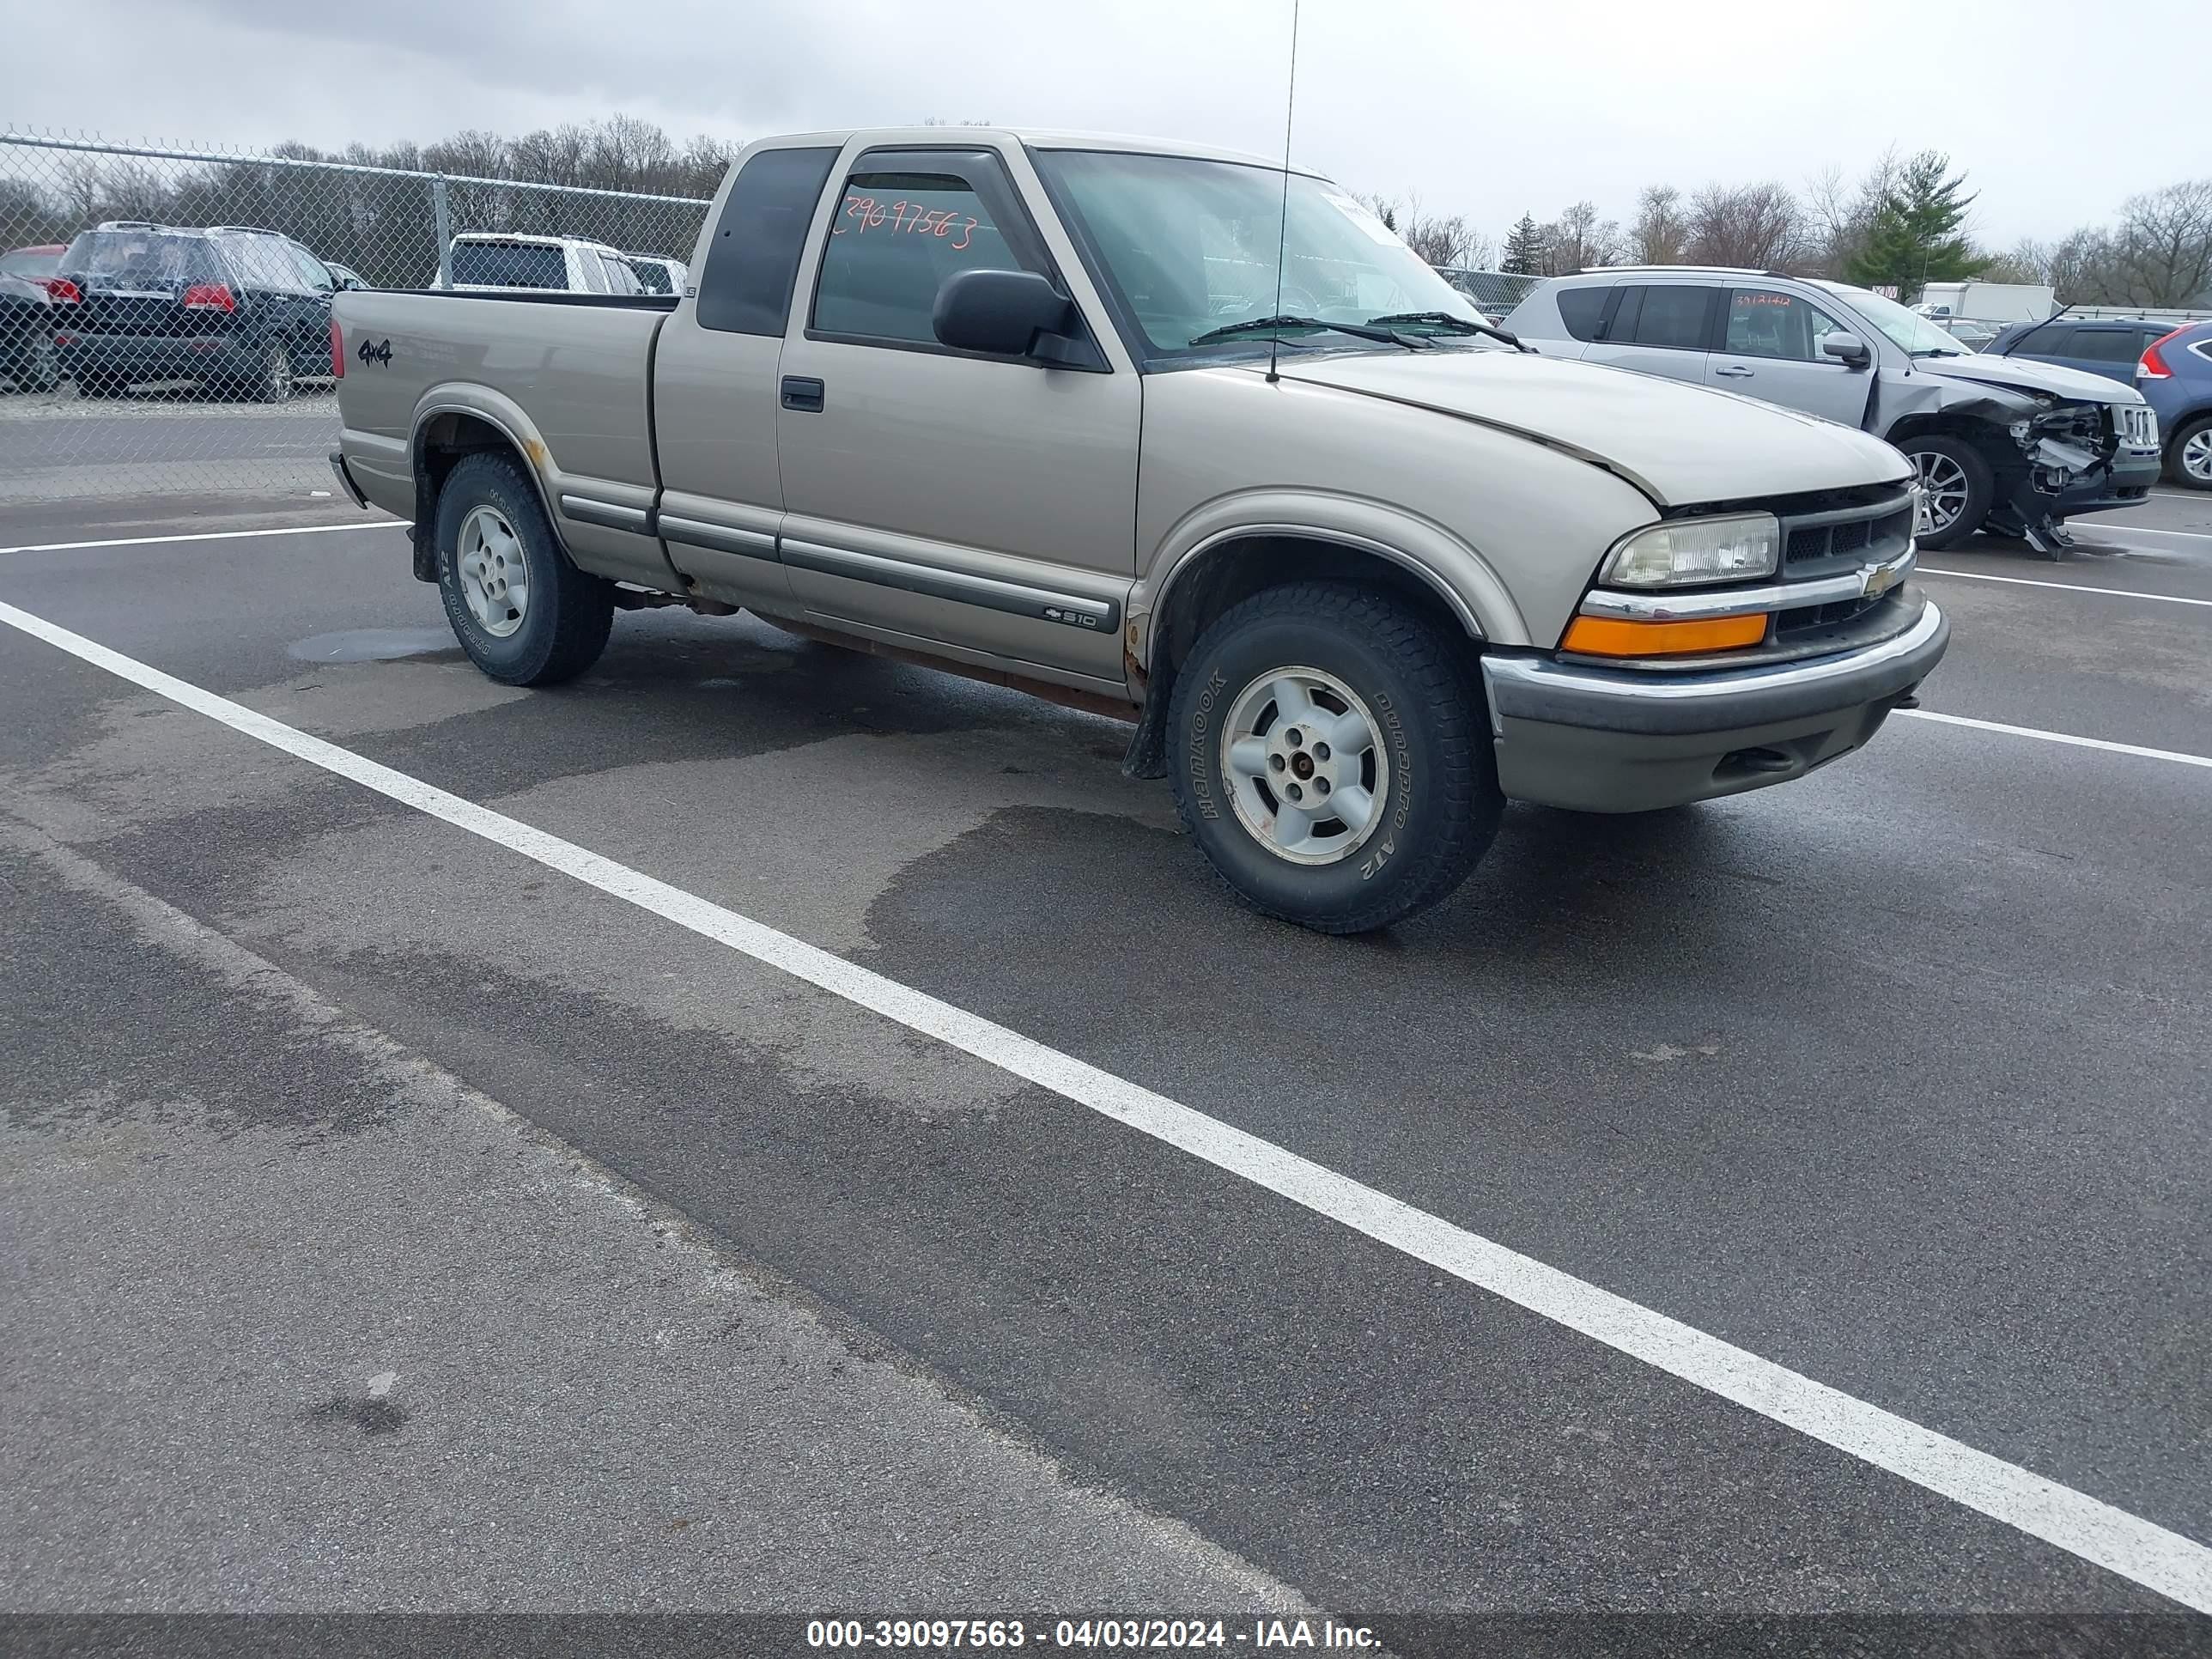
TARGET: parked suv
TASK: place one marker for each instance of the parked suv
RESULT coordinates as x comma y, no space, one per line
2106,346
480,260
2002,444
2175,372
237,309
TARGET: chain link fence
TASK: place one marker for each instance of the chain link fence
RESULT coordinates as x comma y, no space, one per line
137,362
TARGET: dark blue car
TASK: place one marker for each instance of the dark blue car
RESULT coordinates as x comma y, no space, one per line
2170,367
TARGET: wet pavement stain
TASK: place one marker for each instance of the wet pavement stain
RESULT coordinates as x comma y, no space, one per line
373,644
371,1416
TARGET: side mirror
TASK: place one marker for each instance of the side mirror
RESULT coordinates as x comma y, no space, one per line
1847,349
999,311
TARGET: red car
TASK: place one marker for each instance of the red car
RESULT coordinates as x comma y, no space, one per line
38,263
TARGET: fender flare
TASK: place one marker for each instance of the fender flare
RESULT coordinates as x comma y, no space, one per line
504,415
1459,576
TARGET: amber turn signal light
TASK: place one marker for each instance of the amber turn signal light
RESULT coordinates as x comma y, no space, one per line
1614,636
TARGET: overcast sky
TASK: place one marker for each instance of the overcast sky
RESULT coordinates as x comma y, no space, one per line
1483,109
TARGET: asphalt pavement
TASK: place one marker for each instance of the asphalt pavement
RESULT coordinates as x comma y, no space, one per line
395,1221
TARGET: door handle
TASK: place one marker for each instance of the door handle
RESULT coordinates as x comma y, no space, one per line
1734,372
803,393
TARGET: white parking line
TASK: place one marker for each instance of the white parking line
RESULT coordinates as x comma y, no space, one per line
2066,738
2138,1550
2145,530
2069,587
211,536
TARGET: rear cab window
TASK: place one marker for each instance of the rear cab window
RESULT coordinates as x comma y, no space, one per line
746,286
509,264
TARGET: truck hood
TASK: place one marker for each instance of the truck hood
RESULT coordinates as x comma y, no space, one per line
1678,444
2026,374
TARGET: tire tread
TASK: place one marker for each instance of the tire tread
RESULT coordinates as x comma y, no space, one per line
1449,698
583,605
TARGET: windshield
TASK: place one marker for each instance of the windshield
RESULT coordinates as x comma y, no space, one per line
1916,335
509,264
1189,246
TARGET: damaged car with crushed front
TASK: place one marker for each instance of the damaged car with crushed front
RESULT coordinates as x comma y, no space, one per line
2002,444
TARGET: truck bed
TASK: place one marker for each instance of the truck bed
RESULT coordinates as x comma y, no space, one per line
564,378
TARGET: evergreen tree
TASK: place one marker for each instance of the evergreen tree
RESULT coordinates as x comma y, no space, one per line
1914,238
1526,252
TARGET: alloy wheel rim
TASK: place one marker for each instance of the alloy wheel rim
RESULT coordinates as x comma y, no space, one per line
1942,492
2197,455
495,577
1306,767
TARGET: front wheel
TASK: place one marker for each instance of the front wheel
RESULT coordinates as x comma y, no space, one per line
525,615
1956,488
1331,759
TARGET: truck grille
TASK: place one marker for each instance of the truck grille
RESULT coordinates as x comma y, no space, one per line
2136,425
1819,543
1830,540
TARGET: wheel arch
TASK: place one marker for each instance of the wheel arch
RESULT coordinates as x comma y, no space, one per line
1205,578
445,432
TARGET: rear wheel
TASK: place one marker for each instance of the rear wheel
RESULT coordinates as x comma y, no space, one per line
34,366
273,383
522,612
1956,489
1331,759
2189,455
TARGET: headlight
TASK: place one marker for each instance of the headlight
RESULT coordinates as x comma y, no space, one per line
1685,551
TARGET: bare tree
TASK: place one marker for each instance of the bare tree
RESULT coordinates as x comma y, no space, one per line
1579,240
1759,226
1661,234
2165,245
1838,216
1441,239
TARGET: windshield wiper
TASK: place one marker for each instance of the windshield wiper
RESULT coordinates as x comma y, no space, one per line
1447,320
1265,324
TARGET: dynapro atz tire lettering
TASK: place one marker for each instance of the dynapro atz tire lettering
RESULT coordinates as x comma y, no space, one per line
1335,765
1202,784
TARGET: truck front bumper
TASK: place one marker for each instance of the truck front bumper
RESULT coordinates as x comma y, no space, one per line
1618,740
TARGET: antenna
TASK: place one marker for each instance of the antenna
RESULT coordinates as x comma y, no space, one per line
1283,227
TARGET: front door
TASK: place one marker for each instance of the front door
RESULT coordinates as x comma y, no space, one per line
1770,349
950,498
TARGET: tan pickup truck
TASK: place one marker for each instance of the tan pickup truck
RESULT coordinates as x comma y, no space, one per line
1051,410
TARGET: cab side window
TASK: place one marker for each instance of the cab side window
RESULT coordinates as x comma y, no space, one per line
1767,323
896,237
